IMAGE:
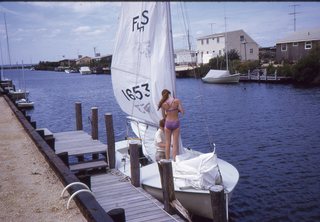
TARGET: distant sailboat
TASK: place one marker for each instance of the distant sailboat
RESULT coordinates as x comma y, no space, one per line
24,102
222,76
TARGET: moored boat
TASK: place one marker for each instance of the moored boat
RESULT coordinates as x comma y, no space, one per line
221,76
85,70
137,86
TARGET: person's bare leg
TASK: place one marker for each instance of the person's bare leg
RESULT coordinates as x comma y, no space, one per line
168,142
175,150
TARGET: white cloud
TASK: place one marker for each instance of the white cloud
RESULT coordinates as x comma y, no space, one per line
82,29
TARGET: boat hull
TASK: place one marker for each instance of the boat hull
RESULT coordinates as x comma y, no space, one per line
196,201
222,80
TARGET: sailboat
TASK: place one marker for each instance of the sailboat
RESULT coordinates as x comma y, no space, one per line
142,66
24,102
222,76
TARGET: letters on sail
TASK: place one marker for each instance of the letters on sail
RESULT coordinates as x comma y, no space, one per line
142,61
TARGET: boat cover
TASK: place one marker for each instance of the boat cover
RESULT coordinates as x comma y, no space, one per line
199,172
214,73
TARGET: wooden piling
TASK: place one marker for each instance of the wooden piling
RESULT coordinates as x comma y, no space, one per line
134,164
78,108
64,157
110,140
117,214
218,203
165,168
94,123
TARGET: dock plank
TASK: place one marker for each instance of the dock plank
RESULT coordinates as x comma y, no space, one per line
113,191
77,143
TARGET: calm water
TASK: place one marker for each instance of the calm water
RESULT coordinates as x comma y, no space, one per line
270,133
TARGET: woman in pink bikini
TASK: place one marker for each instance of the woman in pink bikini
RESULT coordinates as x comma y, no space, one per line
170,111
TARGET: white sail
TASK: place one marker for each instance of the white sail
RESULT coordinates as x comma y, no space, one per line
142,61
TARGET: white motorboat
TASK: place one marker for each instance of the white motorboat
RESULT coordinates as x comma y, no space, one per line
221,76
18,94
85,70
25,103
137,86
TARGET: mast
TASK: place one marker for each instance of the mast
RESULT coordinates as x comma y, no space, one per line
1,77
226,42
169,33
24,81
8,48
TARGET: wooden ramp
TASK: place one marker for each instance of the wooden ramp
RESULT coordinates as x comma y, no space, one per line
113,190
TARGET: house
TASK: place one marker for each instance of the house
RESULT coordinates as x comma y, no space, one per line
296,45
211,46
83,61
185,57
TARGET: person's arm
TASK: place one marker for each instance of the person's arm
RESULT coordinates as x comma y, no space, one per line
180,107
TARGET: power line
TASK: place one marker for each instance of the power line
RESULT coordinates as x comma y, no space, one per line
294,15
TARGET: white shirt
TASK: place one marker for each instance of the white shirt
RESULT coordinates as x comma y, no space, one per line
159,138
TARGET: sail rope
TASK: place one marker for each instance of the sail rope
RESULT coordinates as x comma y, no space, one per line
187,26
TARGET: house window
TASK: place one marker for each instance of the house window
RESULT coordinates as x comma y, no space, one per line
207,41
295,44
283,47
207,52
218,39
241,38
212,39
251,51
201,41
219,52
308,45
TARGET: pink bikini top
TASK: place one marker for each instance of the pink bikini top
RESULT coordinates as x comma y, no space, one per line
170,101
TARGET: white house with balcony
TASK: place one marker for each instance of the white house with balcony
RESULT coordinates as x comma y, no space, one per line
214,45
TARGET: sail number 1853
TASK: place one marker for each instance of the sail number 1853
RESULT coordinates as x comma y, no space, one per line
137,92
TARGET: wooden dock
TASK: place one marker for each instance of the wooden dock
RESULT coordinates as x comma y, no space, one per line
77,143
113,190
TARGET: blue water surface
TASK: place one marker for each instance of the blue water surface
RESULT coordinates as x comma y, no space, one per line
269,132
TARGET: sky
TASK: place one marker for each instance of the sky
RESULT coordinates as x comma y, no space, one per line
52,31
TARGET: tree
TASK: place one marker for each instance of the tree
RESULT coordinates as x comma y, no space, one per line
307,69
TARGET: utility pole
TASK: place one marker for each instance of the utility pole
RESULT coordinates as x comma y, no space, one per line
294,15
94,51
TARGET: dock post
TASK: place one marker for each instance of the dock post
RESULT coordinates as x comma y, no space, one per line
218,203
110,140
134,164
78,116
249,75
165,168
94,123
117,214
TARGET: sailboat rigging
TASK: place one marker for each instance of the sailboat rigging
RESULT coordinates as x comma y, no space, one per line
142,66
24,102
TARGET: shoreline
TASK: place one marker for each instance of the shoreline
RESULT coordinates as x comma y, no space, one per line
30,189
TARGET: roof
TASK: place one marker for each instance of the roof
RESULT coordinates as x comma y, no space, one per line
181,51
307,35
218,34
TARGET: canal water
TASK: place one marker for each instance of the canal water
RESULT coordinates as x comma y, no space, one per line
269,132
